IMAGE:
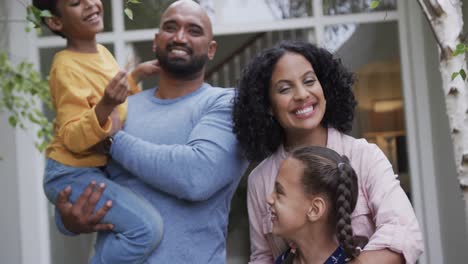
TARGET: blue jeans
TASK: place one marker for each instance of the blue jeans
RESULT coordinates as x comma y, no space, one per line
138,226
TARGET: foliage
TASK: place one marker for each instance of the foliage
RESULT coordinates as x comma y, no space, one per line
374,4
21,86
35,15
460,49
128,12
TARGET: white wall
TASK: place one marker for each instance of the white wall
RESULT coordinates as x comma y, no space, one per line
9,226
23,225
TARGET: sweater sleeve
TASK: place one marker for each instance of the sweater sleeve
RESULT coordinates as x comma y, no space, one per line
79,128
194,171
396,225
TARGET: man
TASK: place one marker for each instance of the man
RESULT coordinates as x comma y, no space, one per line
177,149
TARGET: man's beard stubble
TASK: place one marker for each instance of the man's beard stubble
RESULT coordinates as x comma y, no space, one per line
179,68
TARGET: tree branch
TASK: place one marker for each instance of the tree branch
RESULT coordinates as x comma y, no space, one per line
430,18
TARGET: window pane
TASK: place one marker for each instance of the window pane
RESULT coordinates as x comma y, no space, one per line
235,12
336,7
147,14
46,55
107,6
372,52
235,51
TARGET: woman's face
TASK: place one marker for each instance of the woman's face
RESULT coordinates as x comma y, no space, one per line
296,96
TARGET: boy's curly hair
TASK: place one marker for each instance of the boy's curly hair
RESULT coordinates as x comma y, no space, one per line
259,133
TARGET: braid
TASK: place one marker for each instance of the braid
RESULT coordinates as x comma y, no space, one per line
327,172
344,208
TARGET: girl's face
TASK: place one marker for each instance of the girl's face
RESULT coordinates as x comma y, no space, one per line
296,96
288,202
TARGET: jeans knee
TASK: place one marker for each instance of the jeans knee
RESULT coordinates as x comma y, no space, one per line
153,232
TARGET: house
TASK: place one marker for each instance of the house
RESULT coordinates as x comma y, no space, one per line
401,108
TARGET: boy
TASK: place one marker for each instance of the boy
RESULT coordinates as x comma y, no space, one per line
89,94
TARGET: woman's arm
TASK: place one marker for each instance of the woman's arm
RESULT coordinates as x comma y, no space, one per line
383,256
396,225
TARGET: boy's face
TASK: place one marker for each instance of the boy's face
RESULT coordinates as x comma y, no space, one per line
79,19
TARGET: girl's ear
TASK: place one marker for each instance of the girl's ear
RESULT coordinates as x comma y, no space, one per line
317,208
54,23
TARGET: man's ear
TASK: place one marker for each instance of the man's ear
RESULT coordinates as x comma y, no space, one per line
317,208
212,49
54,23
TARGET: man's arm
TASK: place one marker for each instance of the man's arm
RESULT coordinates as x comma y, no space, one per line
207,162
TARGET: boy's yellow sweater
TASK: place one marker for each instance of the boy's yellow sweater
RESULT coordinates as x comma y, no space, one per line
77,82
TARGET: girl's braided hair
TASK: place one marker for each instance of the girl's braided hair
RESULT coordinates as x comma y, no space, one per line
326,172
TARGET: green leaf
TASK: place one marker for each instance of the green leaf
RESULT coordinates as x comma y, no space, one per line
45,13
457,52
129,13
454,75
13,121
133,2
374,4
461,46
463,74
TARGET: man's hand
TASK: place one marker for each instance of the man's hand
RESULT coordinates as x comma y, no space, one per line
145,69
79,217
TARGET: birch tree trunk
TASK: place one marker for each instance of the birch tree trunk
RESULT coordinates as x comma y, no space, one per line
446,20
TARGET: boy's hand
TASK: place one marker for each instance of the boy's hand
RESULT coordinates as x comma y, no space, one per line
145,69
116,91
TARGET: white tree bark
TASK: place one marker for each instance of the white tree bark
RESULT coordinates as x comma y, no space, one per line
446,20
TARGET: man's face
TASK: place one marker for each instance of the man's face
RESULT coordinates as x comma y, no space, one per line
184,43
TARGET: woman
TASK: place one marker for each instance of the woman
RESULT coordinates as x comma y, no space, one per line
295,95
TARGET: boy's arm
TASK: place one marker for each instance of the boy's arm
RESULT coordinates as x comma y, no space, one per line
83,125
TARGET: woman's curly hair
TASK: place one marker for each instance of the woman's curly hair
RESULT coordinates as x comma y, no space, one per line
258,132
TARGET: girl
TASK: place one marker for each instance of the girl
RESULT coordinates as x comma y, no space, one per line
315,193
296,95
